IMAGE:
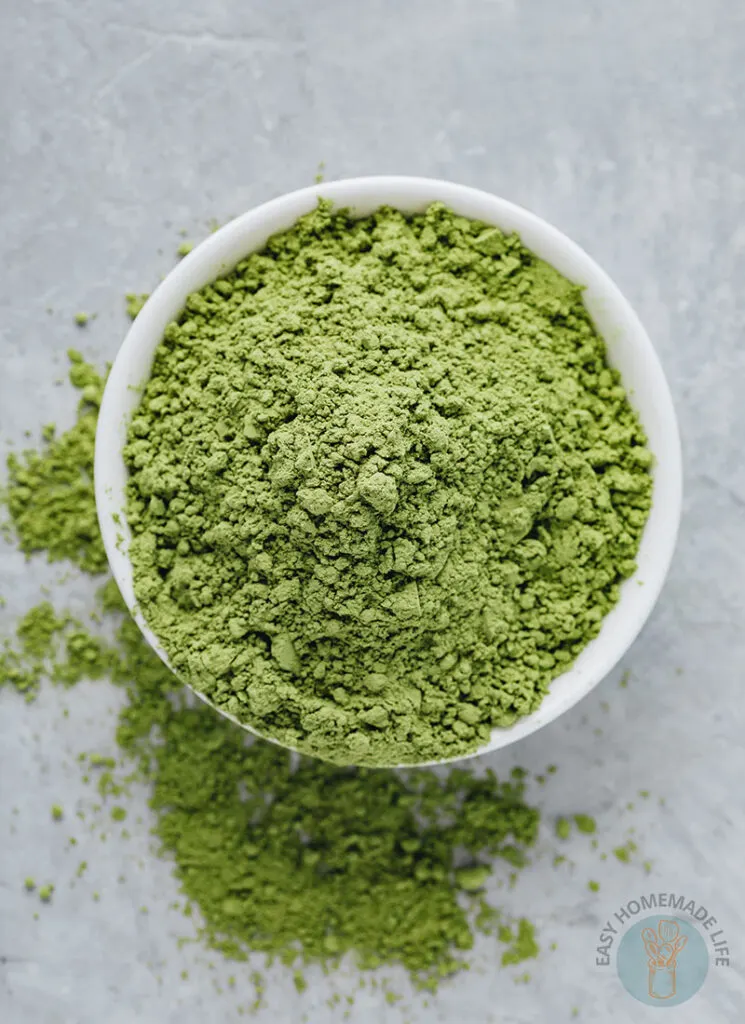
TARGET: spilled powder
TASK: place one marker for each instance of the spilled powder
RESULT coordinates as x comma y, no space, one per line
49,492
41,635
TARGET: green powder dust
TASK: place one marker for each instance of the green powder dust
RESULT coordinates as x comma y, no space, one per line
384,486
46,892
135,302
624,853
50,492
563,828
523,945
40,635
585,823
339,862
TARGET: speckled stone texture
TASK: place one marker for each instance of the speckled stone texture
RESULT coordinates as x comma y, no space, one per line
124,123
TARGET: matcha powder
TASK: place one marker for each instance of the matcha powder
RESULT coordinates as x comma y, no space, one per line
384,486
274,854
50,492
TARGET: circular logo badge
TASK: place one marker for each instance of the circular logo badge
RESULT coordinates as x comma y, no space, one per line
662,961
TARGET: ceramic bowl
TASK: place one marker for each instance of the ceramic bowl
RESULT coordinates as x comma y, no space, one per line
629,350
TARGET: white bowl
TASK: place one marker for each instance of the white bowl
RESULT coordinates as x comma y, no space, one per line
629,350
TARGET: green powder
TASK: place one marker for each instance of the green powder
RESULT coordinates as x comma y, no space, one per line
46,892
585,823
523,943
384,486
135,302
279,855
50,492
316,862
23,666
297,859
36,653
623,853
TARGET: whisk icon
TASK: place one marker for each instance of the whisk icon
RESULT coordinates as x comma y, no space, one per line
662,947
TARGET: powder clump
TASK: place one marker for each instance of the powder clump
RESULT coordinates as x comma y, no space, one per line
384,486
49,493
48,645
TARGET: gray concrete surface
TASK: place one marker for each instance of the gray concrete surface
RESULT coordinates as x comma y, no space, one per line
121,124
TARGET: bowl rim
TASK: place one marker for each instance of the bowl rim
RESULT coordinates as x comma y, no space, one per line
220,251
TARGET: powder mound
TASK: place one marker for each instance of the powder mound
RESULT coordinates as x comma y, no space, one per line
384,486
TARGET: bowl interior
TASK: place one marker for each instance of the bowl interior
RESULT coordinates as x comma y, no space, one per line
629,350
